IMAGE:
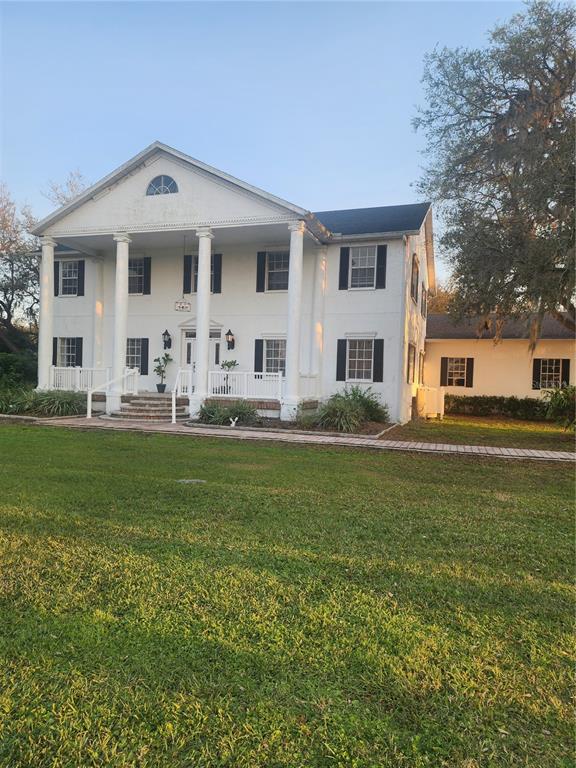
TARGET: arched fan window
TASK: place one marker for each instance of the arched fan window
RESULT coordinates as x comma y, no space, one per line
162,185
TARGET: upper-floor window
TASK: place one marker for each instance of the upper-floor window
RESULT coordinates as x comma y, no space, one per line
415,278
362,267
424,302
69,278
136,276
277,269
162,185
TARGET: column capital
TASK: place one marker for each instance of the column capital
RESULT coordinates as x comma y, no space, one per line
122,237
48,241
297,226
204,232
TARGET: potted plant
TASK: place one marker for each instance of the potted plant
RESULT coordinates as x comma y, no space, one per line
160,370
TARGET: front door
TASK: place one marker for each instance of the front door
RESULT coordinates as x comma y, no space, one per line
190,350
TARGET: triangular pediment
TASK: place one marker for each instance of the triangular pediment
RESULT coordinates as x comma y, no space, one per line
205,196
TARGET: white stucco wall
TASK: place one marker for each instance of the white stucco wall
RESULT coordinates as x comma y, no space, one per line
499,369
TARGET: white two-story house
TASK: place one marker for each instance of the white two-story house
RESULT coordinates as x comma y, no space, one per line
169,254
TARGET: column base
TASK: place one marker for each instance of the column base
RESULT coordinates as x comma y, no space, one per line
113,402
289,409
195,402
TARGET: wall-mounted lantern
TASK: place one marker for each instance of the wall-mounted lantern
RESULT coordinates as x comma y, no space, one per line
167,339
230,340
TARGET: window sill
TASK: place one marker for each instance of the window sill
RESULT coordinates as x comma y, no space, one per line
367,288
276,290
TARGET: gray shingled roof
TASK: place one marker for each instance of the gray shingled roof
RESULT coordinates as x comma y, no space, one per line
388,218
444,327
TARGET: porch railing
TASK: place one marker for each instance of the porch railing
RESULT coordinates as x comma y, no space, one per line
243,385
129,386
77,379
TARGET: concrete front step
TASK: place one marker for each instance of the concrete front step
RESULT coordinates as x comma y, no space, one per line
152,407
152,397
148,418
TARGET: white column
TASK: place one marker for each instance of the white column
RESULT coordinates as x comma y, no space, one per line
202,320
289,407
98,333
317,330
120,319
45,319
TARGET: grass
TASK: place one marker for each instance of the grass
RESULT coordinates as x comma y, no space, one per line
303,607
477,430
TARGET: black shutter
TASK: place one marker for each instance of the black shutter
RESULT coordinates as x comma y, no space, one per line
343,274
78,360
81,271
565,378
187,281
381,266
56,278
195,274
147,274
217,273
341,360
261,272
444,372
144,357
469,371
259,355
378,360
54,350
536,371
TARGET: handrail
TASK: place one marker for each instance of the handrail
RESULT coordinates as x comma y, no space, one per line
104,387
175,389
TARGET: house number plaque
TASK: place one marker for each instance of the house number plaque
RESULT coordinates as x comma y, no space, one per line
182,306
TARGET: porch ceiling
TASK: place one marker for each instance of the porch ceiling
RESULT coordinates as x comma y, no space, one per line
263,235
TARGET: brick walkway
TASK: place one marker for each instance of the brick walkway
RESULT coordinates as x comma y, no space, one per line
286,436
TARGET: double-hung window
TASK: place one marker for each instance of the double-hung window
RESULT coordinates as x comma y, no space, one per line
136,276
424,302
277,269
69,352
456,372
421,369
275,356
69,278
362,267
359,361
550,373
133,353
137,354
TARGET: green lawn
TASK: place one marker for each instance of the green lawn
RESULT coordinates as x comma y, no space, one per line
475,430
303,607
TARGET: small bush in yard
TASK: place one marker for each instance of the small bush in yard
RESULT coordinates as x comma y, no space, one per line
561,406
216,413
49,403
349,410
341,413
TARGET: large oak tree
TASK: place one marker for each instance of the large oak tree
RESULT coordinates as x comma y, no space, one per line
499,124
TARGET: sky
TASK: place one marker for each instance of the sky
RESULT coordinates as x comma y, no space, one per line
312,102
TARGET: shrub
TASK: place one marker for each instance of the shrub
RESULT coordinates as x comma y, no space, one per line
561,406
341,413
33,403
17,369
349,410
369,400
527,408
217,413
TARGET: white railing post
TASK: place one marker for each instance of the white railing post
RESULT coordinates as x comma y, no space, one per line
280,386
89,405
76,379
